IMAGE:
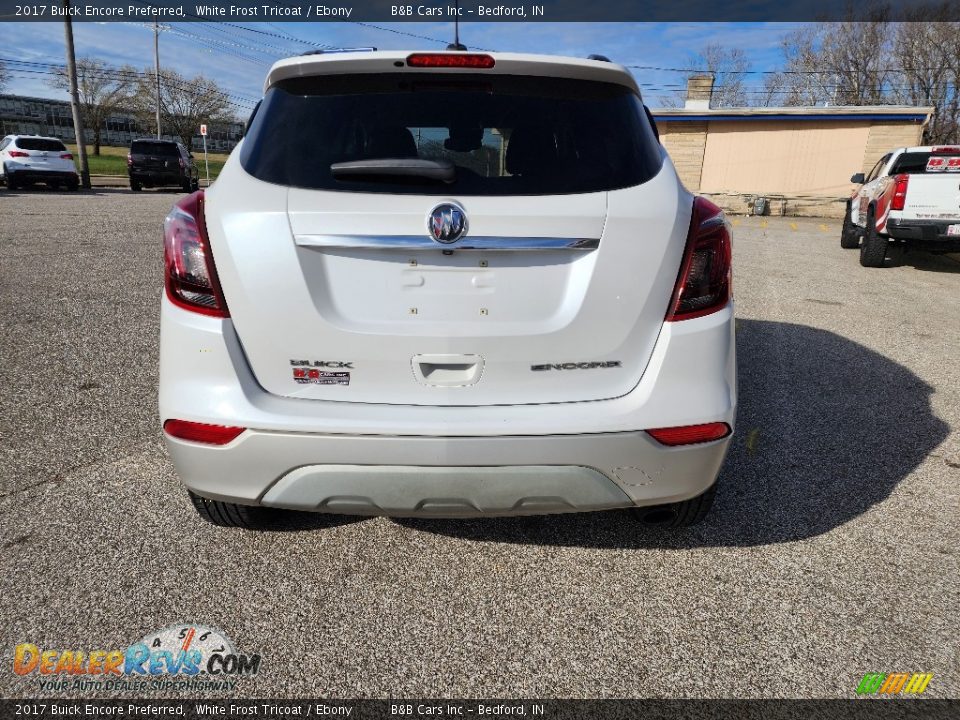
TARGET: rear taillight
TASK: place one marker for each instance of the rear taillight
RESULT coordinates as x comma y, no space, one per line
19,153
66,156
191,276
946,150
182,164
899,191
703,285
451,60
690,434
201,432
129,160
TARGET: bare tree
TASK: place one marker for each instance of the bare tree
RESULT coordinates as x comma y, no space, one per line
185,103
928,62
103,89
4,76
774,90
913,61
729,67
842,63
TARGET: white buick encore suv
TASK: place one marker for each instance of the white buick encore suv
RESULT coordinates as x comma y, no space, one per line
448,284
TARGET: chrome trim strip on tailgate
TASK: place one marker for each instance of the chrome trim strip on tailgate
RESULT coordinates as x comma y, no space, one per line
417,242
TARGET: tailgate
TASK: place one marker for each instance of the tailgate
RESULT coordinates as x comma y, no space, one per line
932,196
425,325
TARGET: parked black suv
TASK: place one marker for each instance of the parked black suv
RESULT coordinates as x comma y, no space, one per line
161,163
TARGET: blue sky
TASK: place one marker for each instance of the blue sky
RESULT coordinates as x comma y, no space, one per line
238,59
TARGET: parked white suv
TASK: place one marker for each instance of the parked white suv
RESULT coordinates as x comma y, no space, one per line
27,159
448,284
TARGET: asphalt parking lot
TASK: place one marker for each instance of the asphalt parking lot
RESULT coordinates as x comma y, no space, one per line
832,550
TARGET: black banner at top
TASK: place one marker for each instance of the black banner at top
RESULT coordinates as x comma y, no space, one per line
275,11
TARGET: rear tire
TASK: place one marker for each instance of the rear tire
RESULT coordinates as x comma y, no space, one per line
187,186
850,233
677,515
73,186
135,186
873,251
11,182
225,514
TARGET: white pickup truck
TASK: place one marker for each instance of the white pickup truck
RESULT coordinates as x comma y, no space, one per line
910,197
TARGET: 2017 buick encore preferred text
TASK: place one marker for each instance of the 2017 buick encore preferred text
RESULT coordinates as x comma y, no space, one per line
448,284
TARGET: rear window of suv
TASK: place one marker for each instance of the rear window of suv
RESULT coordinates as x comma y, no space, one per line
43,144
146,147
506,135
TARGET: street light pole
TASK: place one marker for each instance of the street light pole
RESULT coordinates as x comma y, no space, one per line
156,68
75,97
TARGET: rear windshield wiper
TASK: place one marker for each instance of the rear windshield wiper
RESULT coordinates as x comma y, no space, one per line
387,169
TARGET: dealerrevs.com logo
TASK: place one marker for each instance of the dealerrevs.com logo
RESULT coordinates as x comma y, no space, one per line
185,657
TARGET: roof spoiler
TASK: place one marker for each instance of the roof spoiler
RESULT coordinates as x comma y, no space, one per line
328,51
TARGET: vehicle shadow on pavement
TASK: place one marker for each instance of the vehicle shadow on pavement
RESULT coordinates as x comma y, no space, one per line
928,262
826,429
276,520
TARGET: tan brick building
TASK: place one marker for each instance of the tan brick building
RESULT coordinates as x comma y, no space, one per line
799,158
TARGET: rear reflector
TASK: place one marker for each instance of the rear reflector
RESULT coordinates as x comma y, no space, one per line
201,432
690,434
899,192
451,60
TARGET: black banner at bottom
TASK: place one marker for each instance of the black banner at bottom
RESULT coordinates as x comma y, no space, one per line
865,709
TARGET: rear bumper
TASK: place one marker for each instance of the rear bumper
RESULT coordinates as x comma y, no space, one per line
927,234
363,458
447,477
35,175
157,177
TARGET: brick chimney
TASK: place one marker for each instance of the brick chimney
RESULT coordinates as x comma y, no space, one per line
699,92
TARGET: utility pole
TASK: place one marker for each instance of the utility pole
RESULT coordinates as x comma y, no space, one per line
75,97
156,67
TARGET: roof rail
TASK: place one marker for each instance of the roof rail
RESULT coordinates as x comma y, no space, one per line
601,58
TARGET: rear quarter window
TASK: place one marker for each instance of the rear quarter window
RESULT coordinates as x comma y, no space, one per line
506,135
42,144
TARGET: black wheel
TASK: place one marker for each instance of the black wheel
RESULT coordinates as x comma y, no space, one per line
680,514
187,186
873,250
135,186
850,233
73,186
11,181
194,186
227,514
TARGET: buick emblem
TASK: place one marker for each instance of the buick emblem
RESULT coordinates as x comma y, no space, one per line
447,223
